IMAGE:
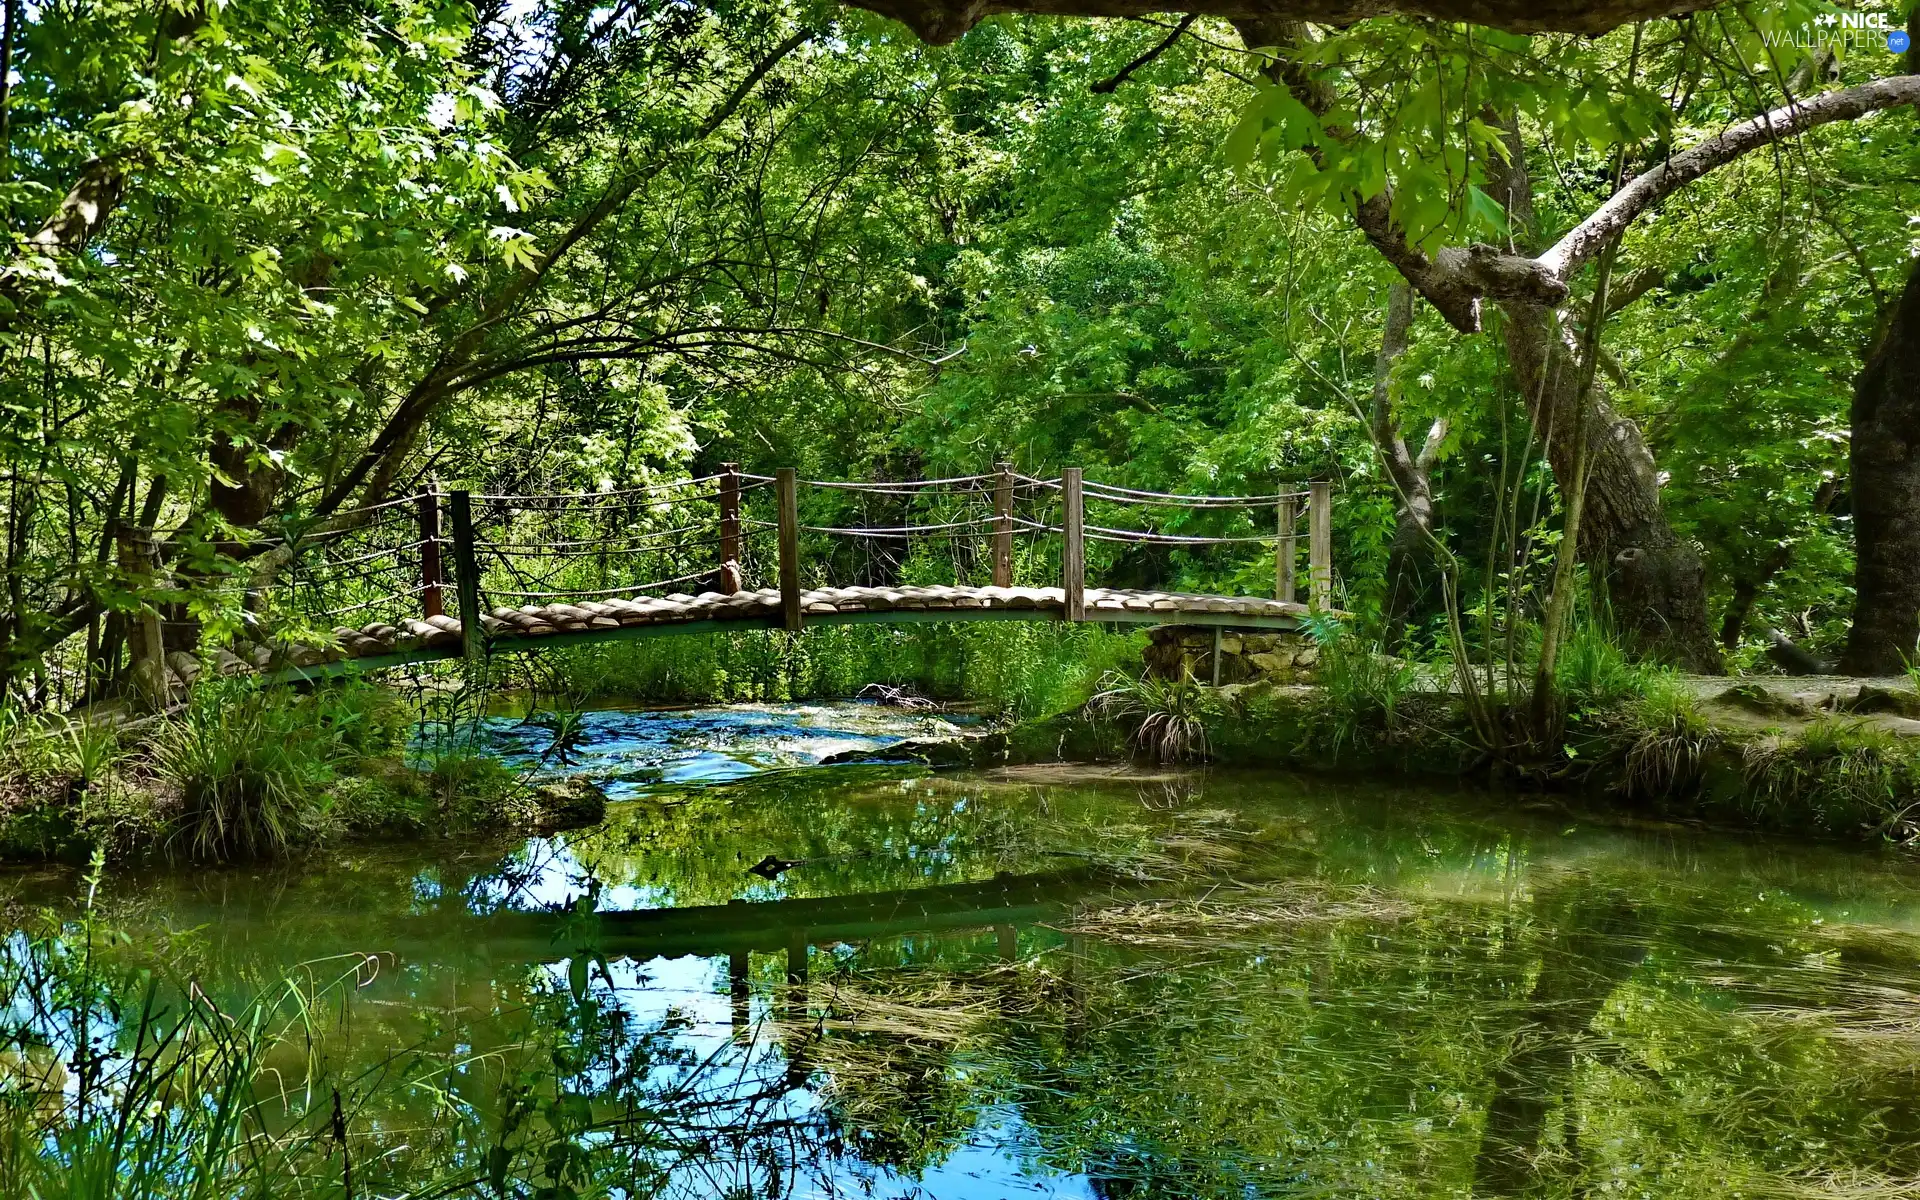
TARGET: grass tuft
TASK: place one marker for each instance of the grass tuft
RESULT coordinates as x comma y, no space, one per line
1168,717
1839,776
1671,741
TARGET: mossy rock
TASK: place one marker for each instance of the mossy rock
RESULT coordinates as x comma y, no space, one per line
1067,737
973,750
568,804
1870,699
1753,698
49,834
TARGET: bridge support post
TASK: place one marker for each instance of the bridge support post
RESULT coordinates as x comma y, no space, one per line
738,993
1003,527
728,581
1286,550
1320,543
786,486
1073,551
432,574
797,977
466,566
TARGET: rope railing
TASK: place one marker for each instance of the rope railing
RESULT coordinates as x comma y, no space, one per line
734,530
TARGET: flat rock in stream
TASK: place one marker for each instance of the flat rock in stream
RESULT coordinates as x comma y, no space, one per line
959,750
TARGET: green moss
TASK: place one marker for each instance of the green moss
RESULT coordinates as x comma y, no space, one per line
1839,777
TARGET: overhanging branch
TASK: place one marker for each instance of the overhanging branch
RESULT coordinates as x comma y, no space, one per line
943,21
1571,252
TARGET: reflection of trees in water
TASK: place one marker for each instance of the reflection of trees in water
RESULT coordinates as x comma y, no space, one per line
1589,945
1538,1033
1602,1029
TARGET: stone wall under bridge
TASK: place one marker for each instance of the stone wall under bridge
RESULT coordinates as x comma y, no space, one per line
1280,657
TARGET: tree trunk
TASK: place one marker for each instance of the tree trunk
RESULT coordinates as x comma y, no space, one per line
1412,552
1655,581
1884,463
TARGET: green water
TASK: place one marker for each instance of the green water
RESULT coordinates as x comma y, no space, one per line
1092,982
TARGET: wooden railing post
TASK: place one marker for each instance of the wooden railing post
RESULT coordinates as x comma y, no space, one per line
729,579
432,574
466,581
786,485
1003,527
1286,550
1073,552
146,648
1320,544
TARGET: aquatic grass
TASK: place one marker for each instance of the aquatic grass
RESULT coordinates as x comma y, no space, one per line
1238,917
248,768
122,1087
1362,689
252,766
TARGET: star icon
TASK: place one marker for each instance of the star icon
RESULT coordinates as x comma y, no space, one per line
1826,19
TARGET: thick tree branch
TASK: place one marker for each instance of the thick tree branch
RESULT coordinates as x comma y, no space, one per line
942,21
1571,252
84,208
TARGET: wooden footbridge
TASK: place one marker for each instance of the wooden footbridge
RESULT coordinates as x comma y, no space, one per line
463,574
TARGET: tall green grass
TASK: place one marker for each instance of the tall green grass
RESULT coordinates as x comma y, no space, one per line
1026,670
244,771
253,766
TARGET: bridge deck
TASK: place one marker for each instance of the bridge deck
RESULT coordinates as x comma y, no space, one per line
374,646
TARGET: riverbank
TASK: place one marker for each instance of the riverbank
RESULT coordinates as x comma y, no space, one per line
1830,758
244,773
248,772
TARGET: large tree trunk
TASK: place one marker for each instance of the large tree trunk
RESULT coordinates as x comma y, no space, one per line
1884,462
1655,581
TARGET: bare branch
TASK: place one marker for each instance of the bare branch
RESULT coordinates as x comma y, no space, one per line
1112,82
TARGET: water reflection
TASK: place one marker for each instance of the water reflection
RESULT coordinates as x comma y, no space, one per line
1052,983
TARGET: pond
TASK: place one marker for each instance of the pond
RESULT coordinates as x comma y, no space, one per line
1078,982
